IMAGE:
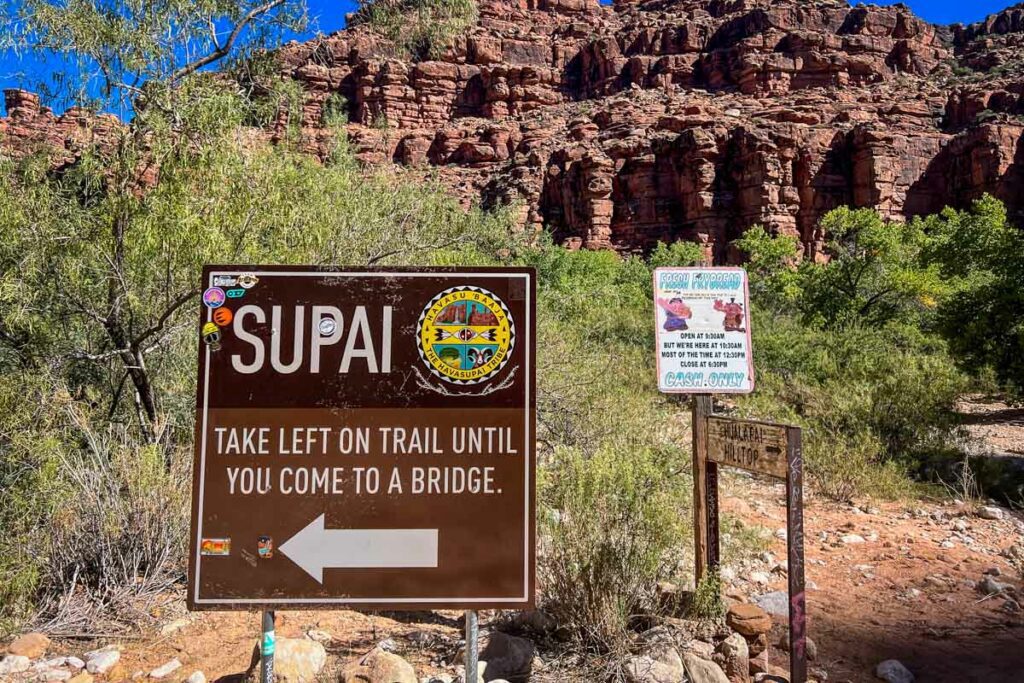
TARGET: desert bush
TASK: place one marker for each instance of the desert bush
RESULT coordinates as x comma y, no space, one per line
612,527
422,29
98,279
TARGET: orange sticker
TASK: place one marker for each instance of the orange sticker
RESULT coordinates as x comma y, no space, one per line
222,316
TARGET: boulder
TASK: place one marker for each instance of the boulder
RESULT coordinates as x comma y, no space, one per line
703,671
298,660
507,656
99,662
775,603
665,666
893,671
735,657
31,645
14,664
378,666
748,620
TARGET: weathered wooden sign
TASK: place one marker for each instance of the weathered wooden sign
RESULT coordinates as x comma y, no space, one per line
364,439
749,444
775,450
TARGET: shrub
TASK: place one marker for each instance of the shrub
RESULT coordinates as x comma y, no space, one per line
422,29
613,527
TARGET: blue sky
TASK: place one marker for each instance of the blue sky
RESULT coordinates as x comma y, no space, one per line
329,16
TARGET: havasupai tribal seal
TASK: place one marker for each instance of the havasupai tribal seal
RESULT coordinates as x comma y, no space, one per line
465,335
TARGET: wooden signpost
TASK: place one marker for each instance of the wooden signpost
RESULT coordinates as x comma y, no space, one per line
774,450
703,347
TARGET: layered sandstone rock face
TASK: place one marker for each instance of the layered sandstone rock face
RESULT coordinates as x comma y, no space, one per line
619,126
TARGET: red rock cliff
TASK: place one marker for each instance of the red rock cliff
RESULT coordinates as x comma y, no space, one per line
618,126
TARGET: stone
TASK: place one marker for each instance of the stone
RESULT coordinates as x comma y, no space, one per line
319,636
53,675
811,648
703,671
75,663
378,666
99,662
296,660
735,658
748,619
196,677
775,603
664,666
12,664
989,586
851,539
893,671
166,669
990,512
31,645
507,656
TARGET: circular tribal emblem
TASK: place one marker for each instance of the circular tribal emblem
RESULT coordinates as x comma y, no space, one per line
465,335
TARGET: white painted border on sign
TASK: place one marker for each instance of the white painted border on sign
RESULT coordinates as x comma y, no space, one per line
746,313
367,601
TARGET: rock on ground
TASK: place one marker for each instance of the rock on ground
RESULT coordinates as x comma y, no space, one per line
196,677
776,602
893,671
703,671
748,620
735,658
507,656
103,660
31,645
297,660
665,667
378,666
165,670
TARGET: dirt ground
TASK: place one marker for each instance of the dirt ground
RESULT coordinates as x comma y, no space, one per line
906,592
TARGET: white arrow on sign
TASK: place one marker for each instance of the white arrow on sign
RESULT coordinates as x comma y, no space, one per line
315,548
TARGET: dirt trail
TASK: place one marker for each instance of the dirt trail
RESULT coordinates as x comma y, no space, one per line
885,581
899,594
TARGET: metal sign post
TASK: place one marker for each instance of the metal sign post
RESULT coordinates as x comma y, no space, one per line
774,450
267,642
472,646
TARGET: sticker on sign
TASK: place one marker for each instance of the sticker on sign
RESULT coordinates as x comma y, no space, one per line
702,331
365,439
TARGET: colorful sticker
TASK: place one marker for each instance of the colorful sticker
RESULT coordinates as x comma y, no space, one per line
211,335
466,335
236,293
265,547
215,547
223,316
268,643
247,280
225,281
214,297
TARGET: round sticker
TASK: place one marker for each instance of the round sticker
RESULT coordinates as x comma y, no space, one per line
223,316
465,335
214,297
247,280
327,326
211,335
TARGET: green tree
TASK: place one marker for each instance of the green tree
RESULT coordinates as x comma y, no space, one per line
124,53
874,273
981,255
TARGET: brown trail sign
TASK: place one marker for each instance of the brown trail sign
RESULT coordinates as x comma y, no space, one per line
364,439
